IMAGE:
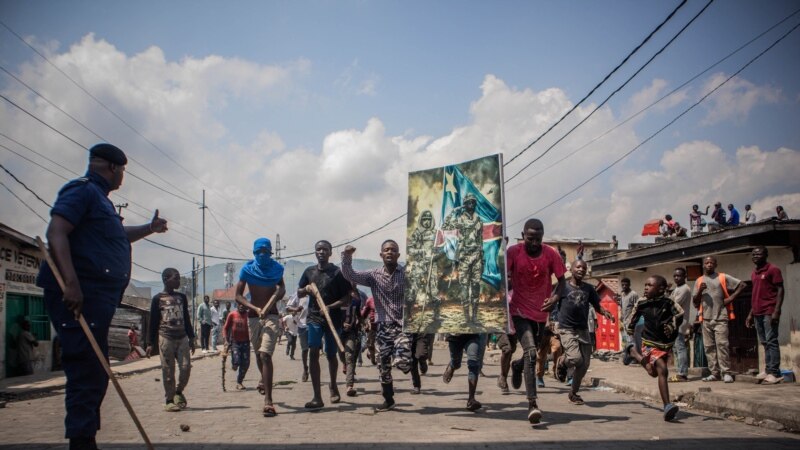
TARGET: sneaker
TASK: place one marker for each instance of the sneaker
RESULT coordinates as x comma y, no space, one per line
575,399
561,370
727,378
180,401
627,359
772,379
534,414
539,382
670,410
385,406
516,373
711,377
415,390
569,381
503,385
171,407
761,376
473,405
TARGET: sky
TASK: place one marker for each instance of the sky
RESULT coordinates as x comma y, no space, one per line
304,118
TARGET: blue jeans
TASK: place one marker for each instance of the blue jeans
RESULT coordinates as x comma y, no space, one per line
240,359
768,336
474,345
681,355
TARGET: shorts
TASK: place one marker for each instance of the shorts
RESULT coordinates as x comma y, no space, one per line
653,354
302,332
264,333
315,333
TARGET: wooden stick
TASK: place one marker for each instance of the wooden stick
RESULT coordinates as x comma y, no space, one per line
95,347
266,308
324,309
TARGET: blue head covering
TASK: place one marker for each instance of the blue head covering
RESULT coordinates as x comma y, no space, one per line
262,270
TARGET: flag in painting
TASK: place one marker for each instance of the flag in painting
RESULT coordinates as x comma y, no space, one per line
456,187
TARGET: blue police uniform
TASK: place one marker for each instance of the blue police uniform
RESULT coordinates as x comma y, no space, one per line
101,254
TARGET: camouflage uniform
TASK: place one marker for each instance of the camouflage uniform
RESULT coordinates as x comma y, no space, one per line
423,275
469,256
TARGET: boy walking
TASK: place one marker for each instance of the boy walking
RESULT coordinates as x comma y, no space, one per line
169,319
573,327
351,337
236,334
335,292
662,320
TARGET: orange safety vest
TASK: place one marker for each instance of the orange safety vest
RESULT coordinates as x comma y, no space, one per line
722,283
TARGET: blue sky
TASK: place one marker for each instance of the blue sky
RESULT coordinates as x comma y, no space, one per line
289,108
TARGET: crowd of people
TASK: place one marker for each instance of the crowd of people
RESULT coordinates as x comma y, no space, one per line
719,219
90,274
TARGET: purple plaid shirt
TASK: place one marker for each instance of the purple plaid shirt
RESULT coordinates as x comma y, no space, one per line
387,289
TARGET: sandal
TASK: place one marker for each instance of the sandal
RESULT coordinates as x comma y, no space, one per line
314,404
678,379
473,405
448,373
269,411
261,389
575,399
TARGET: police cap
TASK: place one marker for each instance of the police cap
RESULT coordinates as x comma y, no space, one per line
108,152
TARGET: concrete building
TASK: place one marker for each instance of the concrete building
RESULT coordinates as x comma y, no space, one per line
21,299
732,247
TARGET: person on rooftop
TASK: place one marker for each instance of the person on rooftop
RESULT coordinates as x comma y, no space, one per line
733,221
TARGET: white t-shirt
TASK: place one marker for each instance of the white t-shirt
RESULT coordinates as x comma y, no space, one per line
300,319
214,315
290,324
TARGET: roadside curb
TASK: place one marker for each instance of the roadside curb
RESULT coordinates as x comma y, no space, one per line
726,405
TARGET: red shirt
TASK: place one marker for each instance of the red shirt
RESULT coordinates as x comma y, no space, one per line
765,289
531,280
236,325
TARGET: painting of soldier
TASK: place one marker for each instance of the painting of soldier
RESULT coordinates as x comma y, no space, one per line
455,272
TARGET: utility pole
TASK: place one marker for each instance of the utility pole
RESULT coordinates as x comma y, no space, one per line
119,207
278,248
203,207
194,296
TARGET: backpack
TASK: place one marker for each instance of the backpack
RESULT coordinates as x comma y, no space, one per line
722,283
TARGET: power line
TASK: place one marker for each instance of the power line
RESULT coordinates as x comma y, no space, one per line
675,119
665,96
25,186
615,91
23,201
128,125
213,216
40,95
146,268
172,222
636,49
87,148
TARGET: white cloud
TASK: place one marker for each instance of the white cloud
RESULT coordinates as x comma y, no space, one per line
649,94
356,180
356,81
735,99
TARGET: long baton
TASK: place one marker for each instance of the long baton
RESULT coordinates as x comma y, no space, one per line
95,347
327,315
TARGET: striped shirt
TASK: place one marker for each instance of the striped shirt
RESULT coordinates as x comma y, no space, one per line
387,289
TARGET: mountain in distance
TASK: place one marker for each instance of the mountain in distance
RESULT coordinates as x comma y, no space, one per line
215,275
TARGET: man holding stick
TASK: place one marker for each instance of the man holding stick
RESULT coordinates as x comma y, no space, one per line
92,252
263,276
324,281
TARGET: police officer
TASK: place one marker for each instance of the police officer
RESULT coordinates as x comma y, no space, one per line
92,250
